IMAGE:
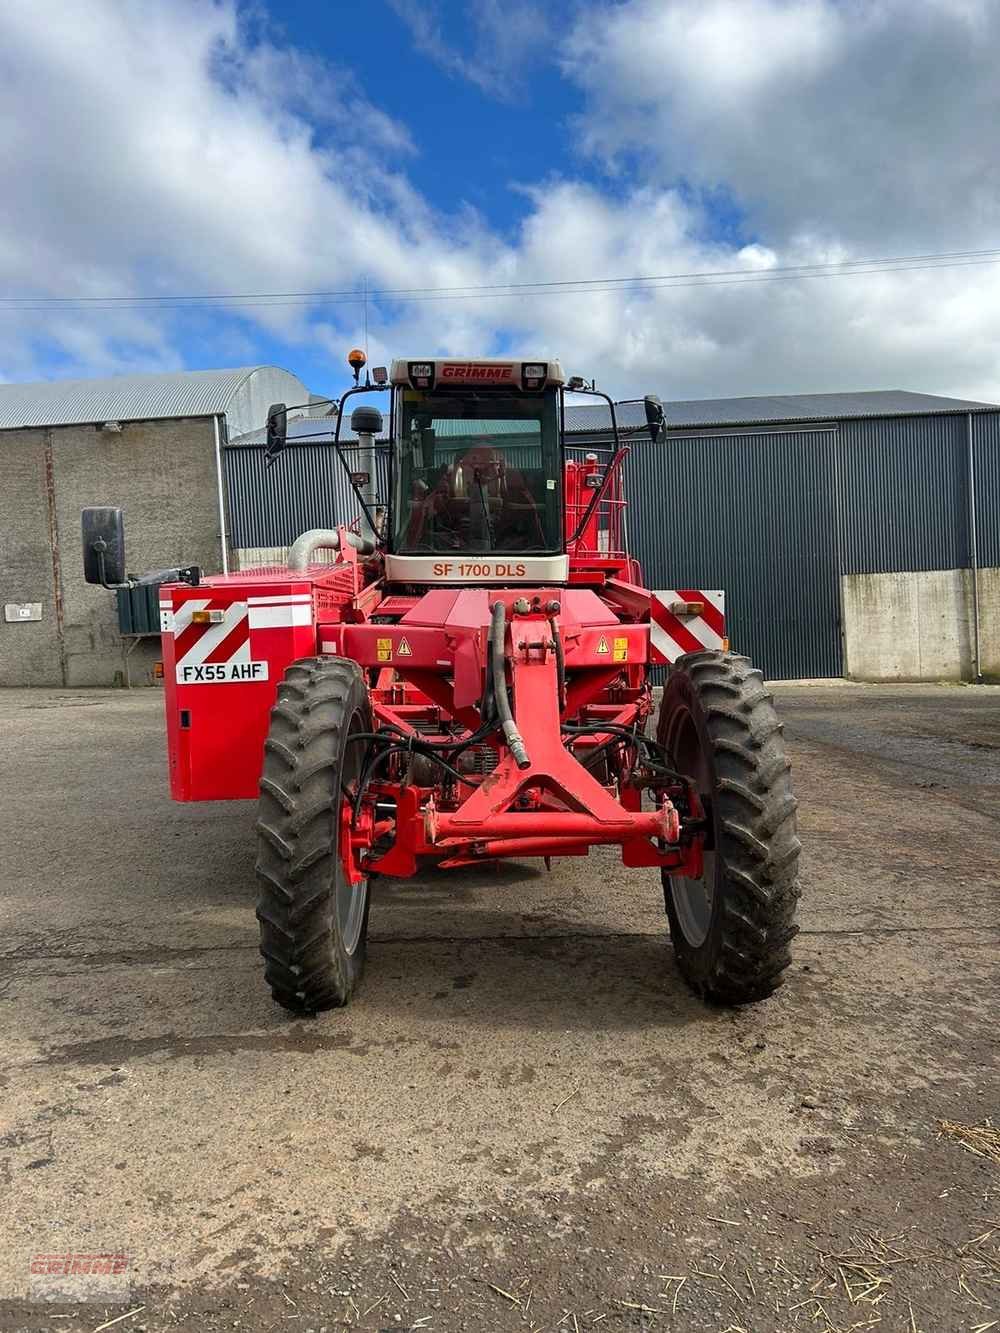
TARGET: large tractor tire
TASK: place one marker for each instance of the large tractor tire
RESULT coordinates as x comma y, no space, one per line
731,929
313,919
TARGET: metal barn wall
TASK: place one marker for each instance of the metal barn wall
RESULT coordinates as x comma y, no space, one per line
986,456
903,494
751,513
780,522
307,487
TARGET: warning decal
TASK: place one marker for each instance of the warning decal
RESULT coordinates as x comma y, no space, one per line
620,653
383,650
404,649
216,649
686,620
602,645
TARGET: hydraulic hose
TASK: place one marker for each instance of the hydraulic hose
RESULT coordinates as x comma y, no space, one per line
557,647
514,739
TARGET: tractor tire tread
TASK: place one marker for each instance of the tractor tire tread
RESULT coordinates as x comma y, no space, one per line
298,860
747,953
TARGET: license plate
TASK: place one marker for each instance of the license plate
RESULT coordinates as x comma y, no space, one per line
221,673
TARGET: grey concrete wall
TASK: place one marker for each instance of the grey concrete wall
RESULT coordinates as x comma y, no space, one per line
29,652
919,626
163,475
989,622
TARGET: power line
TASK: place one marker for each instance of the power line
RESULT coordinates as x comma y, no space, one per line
389,292
565,287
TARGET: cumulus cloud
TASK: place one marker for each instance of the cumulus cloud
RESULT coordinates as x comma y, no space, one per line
155,147
870,122
153,152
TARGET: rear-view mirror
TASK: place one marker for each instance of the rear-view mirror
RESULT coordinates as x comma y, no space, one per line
655,420
103,545
277,430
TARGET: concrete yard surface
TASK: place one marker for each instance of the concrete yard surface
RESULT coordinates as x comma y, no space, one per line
523,1121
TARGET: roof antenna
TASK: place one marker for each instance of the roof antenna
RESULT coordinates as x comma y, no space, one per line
366,315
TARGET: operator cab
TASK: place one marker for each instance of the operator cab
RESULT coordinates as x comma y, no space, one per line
478,472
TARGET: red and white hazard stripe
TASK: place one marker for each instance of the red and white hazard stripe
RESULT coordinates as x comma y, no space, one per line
223,642
671,635
227,641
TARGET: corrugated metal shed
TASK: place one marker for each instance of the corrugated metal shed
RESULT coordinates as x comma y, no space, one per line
693,413
702,413
986,455
755,517
307,488
903,494
242,395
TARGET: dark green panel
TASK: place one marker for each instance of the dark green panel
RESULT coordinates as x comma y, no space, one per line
139,609
753,515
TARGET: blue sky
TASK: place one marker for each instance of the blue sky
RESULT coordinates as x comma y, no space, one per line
185,147
474,146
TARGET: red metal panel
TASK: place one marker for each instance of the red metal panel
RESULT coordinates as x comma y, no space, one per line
217,721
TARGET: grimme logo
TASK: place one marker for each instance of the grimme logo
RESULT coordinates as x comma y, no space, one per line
79,1275
473,372
72,1265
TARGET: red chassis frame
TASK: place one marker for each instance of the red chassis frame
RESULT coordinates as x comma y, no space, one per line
432,674
424,653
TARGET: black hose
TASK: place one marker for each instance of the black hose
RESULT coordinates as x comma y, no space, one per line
557,648
376,761
654,751
410,743
418,742
514,739
598,752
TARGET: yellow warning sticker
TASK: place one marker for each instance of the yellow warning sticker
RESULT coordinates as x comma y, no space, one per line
383,650
404,649
602,645
620,653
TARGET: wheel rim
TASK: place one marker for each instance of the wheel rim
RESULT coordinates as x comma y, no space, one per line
350,895
694,899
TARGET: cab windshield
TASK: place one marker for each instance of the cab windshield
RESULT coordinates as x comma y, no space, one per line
477,471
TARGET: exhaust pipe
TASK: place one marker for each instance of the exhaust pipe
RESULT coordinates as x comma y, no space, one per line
308,543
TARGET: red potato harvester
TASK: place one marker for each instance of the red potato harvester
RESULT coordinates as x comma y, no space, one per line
469,680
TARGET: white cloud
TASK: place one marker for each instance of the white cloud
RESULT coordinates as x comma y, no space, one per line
509,39
871,122
158,147
152,151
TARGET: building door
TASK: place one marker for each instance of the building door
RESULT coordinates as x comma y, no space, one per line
751,512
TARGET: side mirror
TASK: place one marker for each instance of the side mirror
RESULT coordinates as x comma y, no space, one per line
277,431
655,420
103,545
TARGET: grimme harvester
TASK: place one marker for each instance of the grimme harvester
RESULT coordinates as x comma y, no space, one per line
466,678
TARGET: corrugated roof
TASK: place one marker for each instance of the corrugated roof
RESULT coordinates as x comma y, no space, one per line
755,411
184,393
